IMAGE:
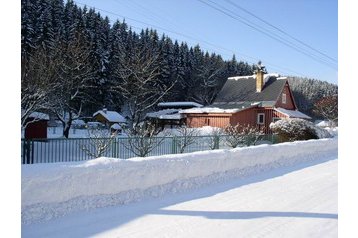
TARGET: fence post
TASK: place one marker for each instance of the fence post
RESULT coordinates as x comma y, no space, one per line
216,142
24,151
174,147
115,148
32,152
27,152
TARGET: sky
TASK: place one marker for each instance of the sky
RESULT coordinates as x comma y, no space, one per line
297,38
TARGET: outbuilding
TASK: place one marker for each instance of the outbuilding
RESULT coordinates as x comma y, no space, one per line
168,115
36,126
109,117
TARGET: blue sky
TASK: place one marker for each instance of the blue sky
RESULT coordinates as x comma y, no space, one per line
313,22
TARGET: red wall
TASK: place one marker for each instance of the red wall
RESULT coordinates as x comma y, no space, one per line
289,99
36,130
246,117
200,120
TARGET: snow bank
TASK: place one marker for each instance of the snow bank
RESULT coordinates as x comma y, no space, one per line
52,190
201,131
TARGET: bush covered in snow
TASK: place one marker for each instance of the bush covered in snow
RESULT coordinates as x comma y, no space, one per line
292,129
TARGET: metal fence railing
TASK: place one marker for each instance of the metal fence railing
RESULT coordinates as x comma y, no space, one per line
79,149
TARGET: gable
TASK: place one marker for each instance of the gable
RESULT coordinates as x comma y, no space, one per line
285,99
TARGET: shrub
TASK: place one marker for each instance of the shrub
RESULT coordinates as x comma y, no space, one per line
187,136
142,139
242,135
292,129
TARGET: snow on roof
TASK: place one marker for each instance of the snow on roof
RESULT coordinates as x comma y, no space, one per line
165,114
111,116
78,122
209,110
176,116
116,126
242,77
178,104
266,77
292,113
222,108
39,116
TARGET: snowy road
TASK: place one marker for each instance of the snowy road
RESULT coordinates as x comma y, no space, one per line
299,201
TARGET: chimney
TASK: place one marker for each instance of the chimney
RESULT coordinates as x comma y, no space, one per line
105,110
260,77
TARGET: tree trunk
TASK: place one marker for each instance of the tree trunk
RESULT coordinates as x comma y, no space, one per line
66,129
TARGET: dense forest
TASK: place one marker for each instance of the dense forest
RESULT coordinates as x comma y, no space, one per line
308,91
74,62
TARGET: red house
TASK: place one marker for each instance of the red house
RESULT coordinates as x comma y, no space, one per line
255,100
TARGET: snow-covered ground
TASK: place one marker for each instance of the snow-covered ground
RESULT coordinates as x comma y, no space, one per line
299,200
50,191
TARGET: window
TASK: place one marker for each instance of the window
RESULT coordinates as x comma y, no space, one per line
260,118
284,98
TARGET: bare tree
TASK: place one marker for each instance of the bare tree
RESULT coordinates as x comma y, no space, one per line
208,87
99,142
186,137
138,83
38,81
142,140
327,108
214,138
73,77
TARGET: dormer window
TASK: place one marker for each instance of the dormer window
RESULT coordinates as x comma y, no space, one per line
284,98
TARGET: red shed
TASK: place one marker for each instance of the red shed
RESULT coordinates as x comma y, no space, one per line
36,126
255,100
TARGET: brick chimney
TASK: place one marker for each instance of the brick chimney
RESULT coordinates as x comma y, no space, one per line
260,77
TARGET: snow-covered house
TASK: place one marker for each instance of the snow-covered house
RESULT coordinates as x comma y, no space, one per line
109,117
255,100
168,113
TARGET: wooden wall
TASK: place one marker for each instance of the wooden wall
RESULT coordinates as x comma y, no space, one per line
103,120
289,99
245,117
213,120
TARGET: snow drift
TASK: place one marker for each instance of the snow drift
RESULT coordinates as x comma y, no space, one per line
52,190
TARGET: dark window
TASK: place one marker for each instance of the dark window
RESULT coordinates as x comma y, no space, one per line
260,118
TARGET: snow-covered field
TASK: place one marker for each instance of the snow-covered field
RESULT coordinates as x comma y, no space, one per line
292,201
50,191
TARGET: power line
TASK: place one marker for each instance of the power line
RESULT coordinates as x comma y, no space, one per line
280,30
192,38
277,38
268,33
